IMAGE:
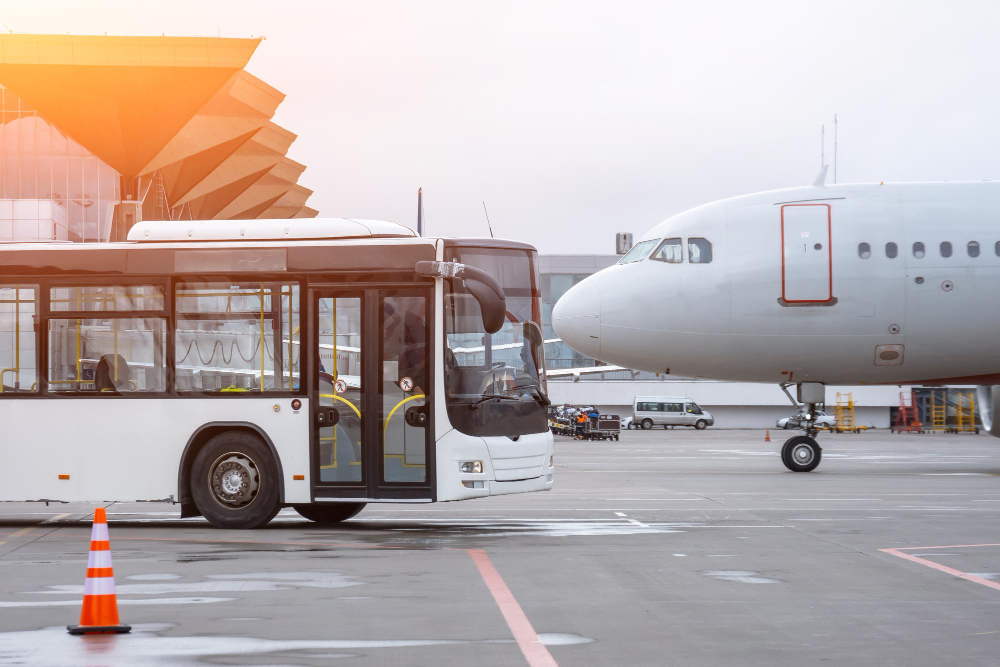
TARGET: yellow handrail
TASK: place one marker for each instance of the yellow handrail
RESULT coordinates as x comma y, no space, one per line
385,427
344,400
4,371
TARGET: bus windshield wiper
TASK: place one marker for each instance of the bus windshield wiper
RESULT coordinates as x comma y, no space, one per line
492,397
539,395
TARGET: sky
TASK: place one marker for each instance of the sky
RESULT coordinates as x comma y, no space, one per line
576,120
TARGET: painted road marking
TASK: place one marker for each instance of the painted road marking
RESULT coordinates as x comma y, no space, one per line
527,639
20,533
899,553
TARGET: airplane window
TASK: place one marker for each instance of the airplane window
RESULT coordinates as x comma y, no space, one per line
864,250
918,250
891,250
638,251
973,248
670,251
946,248
699,251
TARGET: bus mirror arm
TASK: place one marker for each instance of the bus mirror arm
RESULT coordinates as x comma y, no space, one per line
483,287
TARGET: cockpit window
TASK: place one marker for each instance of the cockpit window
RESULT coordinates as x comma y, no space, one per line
699,251
638,251
670,251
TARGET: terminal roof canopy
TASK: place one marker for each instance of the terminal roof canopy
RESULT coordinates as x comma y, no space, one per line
123,98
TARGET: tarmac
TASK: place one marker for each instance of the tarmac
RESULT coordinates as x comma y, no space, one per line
670,547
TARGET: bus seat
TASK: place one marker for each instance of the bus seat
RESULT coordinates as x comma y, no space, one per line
104,375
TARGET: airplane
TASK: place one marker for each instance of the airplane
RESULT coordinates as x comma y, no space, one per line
825,284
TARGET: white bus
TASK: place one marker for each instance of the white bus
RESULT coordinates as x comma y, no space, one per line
240,367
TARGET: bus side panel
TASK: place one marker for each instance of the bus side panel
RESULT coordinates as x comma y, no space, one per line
130,449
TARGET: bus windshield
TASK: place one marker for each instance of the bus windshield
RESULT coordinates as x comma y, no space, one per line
495,383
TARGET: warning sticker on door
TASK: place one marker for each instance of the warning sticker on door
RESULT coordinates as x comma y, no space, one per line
340,386
406,384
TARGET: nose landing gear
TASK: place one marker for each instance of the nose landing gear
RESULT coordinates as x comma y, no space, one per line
802,453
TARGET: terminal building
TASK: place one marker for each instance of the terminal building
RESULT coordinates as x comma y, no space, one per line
98,133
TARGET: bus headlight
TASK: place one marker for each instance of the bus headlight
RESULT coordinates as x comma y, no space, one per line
471,466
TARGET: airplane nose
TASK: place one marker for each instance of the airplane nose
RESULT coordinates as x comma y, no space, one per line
576,318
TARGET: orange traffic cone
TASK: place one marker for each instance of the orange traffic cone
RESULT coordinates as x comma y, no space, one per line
100,604
767,435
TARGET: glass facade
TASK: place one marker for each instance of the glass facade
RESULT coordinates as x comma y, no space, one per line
559,355
51,187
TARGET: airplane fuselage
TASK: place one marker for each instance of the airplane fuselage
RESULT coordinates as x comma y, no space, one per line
841,284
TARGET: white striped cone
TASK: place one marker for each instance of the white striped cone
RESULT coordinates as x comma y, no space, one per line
100,604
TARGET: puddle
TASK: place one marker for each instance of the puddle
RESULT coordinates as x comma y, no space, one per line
531,528
10,604
563,639
54,646
202,558
164,584
740,576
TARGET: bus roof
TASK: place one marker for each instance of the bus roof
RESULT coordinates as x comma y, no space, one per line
265,230
239,255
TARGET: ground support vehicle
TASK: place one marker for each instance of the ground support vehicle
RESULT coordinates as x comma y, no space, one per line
605,427
669,411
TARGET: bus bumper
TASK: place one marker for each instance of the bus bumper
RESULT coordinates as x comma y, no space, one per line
508,466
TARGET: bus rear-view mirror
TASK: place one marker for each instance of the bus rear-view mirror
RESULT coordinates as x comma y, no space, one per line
483,287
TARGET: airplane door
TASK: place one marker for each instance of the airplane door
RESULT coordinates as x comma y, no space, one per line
806,271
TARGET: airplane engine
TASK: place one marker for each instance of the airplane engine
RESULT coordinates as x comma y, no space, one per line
988,397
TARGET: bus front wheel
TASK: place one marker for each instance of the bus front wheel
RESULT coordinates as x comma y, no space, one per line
234,481
329,513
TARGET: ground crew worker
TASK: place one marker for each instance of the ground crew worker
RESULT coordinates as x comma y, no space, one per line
581,424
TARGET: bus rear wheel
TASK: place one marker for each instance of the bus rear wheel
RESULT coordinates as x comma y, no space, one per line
329,513
234,481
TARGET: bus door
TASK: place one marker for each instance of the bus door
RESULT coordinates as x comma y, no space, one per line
371,419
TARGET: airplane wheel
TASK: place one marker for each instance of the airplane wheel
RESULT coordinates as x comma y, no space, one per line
801,454
647,424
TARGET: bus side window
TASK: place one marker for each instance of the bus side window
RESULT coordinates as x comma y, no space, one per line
98,343
237,337
18,350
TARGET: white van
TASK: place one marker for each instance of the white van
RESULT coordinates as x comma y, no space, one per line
650,411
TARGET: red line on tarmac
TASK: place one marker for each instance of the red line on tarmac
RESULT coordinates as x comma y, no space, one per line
950,546
944,568
533,649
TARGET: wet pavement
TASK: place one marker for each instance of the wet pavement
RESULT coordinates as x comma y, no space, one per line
666,548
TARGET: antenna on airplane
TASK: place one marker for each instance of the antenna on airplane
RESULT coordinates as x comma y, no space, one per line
822,146
820,181
420,211
489,224
834,148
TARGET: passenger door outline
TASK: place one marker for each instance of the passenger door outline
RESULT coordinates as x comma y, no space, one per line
802,271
